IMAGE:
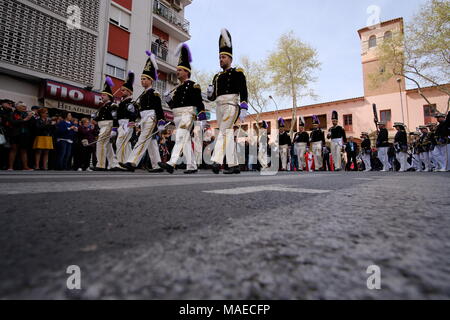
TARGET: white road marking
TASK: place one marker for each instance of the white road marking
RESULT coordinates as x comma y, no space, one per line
255,189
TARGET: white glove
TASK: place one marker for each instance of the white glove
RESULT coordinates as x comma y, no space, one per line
93,115
114,114
210,91
131,108
243,115
113,134
167,97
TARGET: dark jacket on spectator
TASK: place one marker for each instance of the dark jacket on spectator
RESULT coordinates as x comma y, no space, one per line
44,128
18,125
87,133
63,131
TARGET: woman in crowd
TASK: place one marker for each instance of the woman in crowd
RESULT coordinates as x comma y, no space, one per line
43,142
65,135
20,135
86,134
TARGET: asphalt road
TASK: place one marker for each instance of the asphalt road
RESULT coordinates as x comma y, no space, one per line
291,236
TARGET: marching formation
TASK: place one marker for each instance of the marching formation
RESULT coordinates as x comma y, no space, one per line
132,130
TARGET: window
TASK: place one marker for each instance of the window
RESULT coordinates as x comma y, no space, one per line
116,66
429,111
388,36
161,86
348,122
372,42
385,116
120,18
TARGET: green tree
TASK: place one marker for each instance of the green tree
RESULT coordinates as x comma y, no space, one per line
257,85
203,78
292,66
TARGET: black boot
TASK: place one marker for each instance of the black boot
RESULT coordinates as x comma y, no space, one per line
190,171
216,168
128,166
166,167
233,170
160,170
97,169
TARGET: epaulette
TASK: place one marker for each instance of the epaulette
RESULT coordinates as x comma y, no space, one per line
156,93
240,70
197,86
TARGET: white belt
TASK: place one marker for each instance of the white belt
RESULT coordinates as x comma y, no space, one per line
339,141
231,99
105,123
184,110
124,123
146,114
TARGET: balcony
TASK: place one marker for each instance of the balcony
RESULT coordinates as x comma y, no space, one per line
171,16
167,57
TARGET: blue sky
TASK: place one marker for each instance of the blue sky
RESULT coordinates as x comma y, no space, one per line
330,26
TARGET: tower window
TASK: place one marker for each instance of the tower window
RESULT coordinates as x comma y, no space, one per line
388,36
372,42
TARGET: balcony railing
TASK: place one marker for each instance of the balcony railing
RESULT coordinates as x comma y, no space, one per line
164,54
159,51
171,16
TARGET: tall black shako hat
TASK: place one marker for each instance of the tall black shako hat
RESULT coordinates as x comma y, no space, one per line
151,67
130,82
185,57
225,43
107,88
316,120
301,121
334,115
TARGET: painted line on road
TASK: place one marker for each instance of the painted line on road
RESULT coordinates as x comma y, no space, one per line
271,188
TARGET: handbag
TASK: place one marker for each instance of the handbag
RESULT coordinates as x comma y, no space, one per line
2,138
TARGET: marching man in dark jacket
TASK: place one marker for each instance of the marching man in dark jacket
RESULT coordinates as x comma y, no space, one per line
383,146
152,120
401,146
229,90
187,106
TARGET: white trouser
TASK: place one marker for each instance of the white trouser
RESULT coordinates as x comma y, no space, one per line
402,158
448,157
300,149
366,158
198,142
336,147
262,150
104,149
441,156
317,151
384,158
284,156
123,145
227,111
424,158
184,122
433,158
145,143
416,163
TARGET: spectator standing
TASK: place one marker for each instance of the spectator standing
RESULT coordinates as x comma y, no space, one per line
6,110
43,142
65,134
87,135
20,135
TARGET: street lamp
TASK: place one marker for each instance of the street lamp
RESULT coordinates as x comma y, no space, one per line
399,81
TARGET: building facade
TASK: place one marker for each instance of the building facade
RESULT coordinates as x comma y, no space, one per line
394,103
136,26
45,61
